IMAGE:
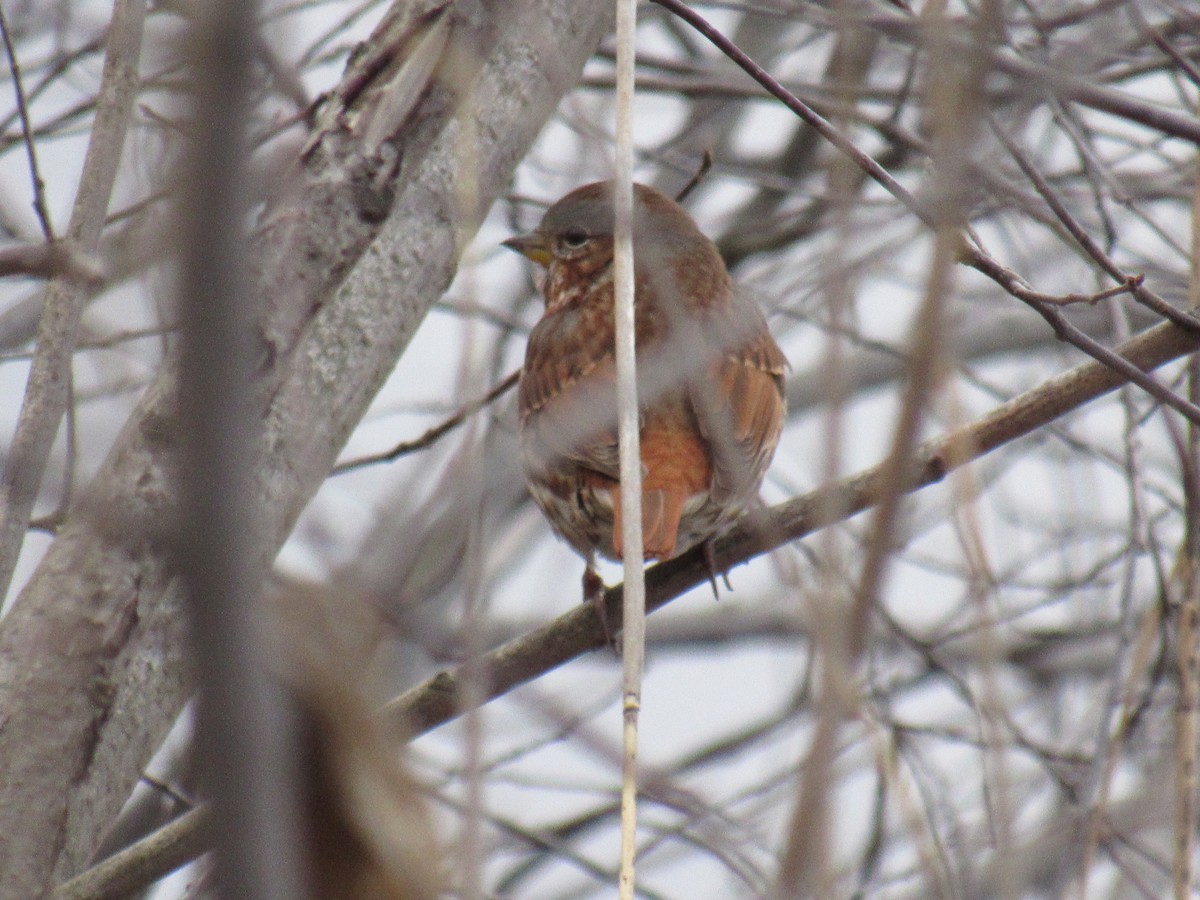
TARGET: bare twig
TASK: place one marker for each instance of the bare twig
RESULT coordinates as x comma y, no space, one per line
434,434
1186,580
1140,667
706,163
1189,68
1184,583
35,175
806,113
51,77
1089,299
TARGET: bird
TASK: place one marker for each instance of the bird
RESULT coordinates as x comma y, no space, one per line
710,379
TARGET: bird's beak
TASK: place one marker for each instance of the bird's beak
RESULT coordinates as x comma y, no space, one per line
533,246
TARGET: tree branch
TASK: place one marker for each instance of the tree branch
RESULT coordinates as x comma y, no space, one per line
46,392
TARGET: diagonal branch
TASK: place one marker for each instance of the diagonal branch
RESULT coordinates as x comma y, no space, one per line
432,435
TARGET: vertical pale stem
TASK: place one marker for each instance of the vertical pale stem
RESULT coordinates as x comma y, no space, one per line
634,612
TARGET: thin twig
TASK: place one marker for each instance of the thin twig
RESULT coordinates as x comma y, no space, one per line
1187,731
39,186
706,163
1140,668
1182,588
434,434
108,341
56,69
1089,299
1188,67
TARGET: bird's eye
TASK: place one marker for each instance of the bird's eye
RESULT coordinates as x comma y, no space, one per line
574,238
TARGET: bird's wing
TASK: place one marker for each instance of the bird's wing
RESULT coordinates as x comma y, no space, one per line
739,404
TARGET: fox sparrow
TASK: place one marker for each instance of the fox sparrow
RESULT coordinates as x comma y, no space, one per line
710,379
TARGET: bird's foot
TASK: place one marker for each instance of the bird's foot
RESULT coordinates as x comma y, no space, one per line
710,559
593,593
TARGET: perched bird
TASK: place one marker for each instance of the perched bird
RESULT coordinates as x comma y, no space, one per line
710,379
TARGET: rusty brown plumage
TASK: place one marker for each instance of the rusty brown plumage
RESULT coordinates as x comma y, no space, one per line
710,379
